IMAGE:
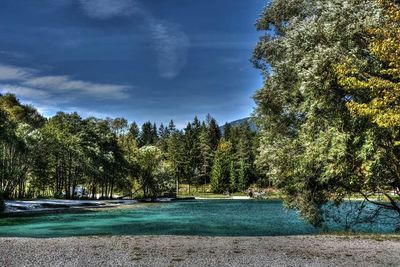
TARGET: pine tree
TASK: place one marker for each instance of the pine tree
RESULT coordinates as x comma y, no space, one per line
163,135
206,154
216,176
220,171
193,150
171,127
148,135
242,178
227,131
154,134
215,133
232,177
134,130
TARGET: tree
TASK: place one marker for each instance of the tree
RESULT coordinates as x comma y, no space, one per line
220,172
118,126
242,177
134,130
308,138
216,176
148,135
130,150
245,152
192,162
232,177
206,154
171,127
176,155
155,174
18,132
242,140
215,133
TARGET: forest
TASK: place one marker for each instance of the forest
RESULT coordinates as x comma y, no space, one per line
50,157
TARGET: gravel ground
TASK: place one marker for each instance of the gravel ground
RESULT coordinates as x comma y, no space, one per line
199,251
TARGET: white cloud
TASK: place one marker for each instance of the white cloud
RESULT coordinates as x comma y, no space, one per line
12,73
65,83
107,9
30,84
25,92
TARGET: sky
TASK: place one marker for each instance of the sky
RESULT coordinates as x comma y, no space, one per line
139,59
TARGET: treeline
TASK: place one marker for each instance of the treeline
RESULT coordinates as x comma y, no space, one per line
51,157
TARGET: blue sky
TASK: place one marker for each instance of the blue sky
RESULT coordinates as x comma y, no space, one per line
140,59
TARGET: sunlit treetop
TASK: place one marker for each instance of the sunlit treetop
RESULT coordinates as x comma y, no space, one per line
377,79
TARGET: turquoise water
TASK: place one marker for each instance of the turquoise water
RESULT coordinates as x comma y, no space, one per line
200,217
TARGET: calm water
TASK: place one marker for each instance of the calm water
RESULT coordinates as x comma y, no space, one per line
205,217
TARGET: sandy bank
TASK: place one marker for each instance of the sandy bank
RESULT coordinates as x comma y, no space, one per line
199,251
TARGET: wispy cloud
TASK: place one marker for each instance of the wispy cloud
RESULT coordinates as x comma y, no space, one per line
25,92
12,73
170,42
171,45
31,84
65,83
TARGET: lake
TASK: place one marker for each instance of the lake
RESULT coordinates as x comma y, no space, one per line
198,217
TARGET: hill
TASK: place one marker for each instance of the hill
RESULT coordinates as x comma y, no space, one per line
239,122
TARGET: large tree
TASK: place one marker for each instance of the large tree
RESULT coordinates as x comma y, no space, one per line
308,138
18,132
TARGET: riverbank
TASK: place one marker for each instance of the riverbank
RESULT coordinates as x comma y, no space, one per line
22,208
18,208
200,251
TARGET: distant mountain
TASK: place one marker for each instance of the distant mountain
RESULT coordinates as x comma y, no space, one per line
253,127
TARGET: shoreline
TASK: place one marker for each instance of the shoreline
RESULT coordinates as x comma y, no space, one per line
30,208
55,206
317,250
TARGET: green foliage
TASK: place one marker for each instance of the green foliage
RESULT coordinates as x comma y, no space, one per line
148,135
52,157
206,154
18,132
243,152
373,81
242,177
220,174
216,176
311,146
215,133
232,177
